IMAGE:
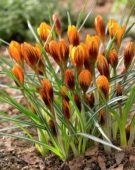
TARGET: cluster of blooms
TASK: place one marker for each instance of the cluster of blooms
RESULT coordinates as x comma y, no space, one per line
84,58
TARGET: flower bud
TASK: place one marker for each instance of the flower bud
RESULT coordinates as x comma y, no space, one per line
57,21
69,79
119,89
77,101
100,27
103,66
43,31
73,35
85,79
66,109
90,100
92,43
18,73
52,127
32,56
55,51
64,50
77,56
129,53
15,51
113,58
116,30
64,93
46,93
102,84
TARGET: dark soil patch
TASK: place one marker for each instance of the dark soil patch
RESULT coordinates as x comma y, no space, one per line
20,155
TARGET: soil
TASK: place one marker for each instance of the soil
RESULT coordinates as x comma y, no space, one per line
20,155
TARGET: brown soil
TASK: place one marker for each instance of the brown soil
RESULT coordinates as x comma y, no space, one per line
20,155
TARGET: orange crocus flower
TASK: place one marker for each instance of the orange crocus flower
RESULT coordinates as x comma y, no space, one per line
54,50
92,44
66,109
15,51
18,73
33,58
69,79
85,79
103,66
43,31
102,84
100,27
116,30
129,53
46,93
73,35
77,54
90,100
58,27
113,58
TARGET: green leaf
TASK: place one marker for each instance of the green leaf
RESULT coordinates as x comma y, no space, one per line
128,105
94,138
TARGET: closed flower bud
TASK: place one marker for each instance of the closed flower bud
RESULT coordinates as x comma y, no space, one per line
100,27
33,58
43,31
47,48
64,50
77,101
55,51
87,62
52,127
113,58
66,109
18,73
103,66
64,91
90,100
116,30
69,79
85,79
119,90
77,56
58,27
102,117
15,51
102,84
73,35
92,43
46,93
129,53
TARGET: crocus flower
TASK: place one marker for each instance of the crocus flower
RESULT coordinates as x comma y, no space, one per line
43,31
18,73
73,35
85,79
103,66
102,84
15,51
100,27
69,79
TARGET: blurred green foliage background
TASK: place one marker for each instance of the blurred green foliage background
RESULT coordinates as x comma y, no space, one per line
14,15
